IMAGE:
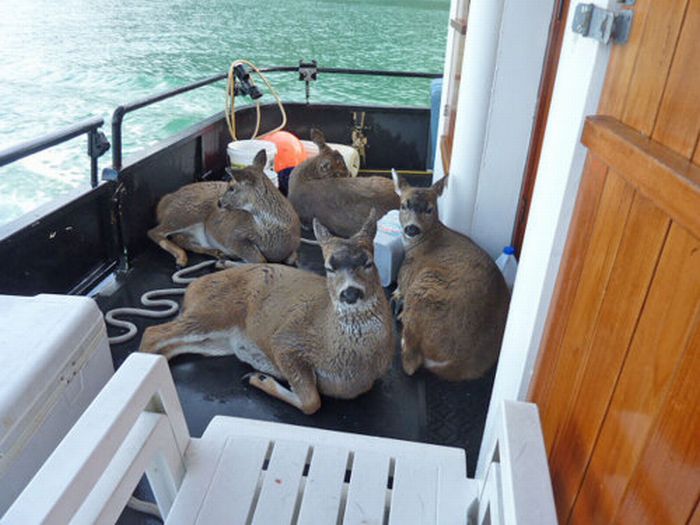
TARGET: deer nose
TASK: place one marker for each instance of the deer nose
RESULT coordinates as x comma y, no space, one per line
411,230
350,295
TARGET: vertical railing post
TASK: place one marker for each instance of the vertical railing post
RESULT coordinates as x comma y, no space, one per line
117,119
92,138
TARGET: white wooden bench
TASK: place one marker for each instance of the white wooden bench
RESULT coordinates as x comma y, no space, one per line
245,471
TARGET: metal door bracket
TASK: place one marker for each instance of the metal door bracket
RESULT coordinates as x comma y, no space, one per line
602,24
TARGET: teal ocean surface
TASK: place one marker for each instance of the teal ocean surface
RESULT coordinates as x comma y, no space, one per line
61,61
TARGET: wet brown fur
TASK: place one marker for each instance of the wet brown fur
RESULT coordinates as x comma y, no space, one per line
321,187
290,324
246,218
455,300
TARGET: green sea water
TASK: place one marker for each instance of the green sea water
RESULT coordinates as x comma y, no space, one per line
61,61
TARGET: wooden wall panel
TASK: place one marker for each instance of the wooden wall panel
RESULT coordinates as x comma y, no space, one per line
622,62
662,335
617,378
682,94
666,483
658,172
652,64
594,382
598,260
587,204
695,519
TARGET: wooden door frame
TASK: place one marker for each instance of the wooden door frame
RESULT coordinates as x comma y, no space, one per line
554,43
576,93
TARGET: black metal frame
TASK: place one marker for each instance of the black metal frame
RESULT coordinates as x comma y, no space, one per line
121,111
97,144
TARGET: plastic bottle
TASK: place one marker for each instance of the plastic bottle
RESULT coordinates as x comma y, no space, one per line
508,265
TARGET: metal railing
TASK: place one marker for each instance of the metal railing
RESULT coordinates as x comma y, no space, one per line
121,111
97,144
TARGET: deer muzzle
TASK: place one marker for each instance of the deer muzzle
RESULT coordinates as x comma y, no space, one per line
351,295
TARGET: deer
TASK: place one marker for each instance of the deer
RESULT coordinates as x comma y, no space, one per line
329,335
454,298
322,187
246,218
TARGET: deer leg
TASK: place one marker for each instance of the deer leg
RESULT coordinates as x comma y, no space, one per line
178,337
189,244
160,237
411,356
303,394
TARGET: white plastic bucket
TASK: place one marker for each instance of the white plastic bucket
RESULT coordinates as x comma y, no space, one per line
350,154
242,152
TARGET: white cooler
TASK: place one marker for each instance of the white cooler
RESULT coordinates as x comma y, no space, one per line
388,247
54,359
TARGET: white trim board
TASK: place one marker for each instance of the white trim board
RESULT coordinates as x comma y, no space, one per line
580,76
522,46
502,70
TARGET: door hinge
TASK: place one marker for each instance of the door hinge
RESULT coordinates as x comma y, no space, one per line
602,24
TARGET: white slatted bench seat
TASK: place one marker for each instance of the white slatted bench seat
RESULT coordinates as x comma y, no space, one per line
254,472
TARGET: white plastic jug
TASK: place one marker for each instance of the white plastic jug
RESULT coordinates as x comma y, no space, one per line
350,154
508,265
242,152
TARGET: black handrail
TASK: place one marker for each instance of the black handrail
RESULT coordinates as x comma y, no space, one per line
121,111
89,126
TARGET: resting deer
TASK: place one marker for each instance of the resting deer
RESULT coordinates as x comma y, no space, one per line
246,218
331,336
455,300
321,187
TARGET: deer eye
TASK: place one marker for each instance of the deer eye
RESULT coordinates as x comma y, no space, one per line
329,269
429,210
368,265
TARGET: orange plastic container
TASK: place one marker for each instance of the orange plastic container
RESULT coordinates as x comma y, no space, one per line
290,150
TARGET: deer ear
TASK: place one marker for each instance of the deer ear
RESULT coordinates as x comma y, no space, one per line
229,174
260,159
321,232
235,174
240,176
440,186
318,138
400,183
369,228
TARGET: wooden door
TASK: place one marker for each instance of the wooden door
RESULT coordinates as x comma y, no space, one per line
618,379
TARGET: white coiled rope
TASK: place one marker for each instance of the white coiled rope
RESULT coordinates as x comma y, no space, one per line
152,299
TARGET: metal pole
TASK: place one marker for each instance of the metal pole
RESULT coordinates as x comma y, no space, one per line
92,138
117,118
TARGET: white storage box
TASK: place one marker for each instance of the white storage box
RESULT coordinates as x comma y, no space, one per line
388,247
54,360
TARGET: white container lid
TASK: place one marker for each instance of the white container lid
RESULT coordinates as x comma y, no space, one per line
38,339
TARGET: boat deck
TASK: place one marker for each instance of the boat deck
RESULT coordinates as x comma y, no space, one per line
419,408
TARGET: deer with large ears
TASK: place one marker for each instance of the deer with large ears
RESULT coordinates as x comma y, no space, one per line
455,300
246,218
321,187
331,336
